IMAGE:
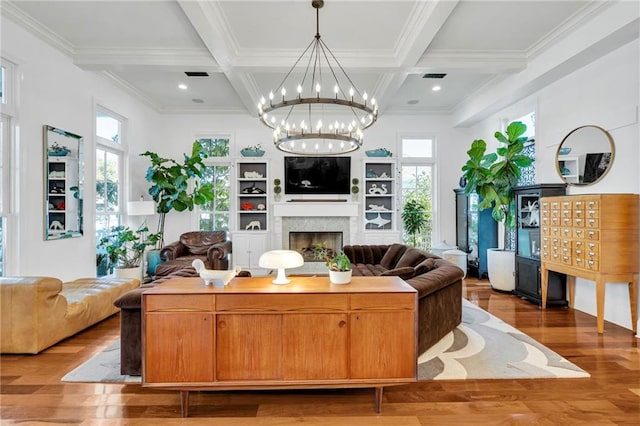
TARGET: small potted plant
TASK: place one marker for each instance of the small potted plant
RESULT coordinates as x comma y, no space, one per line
277,189
125,249
252,151
355,189
338,263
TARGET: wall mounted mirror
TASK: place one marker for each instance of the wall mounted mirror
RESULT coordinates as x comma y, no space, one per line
585,155
63,183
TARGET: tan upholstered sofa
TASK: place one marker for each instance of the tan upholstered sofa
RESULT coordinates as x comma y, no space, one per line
37,312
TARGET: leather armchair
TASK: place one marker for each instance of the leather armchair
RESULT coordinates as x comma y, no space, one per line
212,247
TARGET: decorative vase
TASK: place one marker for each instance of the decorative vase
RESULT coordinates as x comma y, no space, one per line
153,260
501,265
340,277
252,152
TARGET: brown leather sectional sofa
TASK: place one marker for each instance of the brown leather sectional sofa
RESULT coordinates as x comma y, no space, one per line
439,284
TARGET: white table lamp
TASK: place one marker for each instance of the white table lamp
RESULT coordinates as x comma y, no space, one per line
281,259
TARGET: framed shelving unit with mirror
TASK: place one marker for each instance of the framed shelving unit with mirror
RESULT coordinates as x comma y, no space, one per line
63,181
529,246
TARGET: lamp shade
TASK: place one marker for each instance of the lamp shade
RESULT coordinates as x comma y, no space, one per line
280,260
141,208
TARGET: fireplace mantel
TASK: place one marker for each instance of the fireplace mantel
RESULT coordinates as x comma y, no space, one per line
315,209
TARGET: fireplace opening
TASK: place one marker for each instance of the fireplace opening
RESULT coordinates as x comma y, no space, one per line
306,244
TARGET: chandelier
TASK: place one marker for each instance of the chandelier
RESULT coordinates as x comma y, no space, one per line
324,112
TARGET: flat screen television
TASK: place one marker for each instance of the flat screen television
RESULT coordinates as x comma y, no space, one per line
317,175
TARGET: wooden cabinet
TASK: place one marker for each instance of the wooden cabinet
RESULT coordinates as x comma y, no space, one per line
254,335
247,248
528,246
476,231
594,237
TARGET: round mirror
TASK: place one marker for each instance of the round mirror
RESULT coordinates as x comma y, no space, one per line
585,155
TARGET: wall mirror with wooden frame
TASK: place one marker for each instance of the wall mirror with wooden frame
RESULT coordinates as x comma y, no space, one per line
63,183
585,155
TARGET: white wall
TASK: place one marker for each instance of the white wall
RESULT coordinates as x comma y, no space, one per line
53,91
604,93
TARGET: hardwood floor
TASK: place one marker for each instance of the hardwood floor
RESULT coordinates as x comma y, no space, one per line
32,393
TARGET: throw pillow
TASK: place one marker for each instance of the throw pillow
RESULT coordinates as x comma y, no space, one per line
392,255
425,266
404,273
411,257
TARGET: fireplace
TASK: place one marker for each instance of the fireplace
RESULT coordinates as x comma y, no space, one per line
306,244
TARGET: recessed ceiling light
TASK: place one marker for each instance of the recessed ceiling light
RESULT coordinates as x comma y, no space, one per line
182,86
436,88
413,102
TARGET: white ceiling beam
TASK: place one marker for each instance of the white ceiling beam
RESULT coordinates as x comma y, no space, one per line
159,58
207,19
615,26
426,20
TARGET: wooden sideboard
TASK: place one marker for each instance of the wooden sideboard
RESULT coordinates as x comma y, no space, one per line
252,334
594,237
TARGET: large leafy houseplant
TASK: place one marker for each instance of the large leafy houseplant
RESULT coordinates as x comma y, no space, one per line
125,247
492,176
171,184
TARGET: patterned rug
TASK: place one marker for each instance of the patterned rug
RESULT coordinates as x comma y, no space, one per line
482,347
485,347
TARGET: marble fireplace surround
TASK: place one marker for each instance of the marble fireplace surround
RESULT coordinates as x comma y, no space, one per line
314,216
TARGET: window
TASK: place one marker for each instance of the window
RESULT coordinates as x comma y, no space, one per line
109,171
4,188
8,109
214,216
417,183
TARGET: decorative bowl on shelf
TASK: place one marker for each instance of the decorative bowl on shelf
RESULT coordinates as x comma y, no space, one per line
564,151
252,152
59,153
380,152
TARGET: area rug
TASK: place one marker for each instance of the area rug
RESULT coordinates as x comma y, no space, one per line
485,347
482,347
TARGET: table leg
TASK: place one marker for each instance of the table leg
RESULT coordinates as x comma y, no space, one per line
378,400
184,403
600,304
633,300
571,283
544,283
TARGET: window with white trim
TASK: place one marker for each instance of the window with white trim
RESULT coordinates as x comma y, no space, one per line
215,215
8,110
417,165
109,171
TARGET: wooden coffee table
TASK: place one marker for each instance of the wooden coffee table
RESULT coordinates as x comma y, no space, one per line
253,334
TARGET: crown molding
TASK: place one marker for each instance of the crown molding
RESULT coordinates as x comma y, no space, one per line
107,57
568,26
489,61
44,33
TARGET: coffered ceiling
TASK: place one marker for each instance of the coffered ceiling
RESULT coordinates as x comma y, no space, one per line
245,47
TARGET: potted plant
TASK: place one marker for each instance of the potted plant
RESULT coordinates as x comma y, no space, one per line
277,189
338,263
492,176
414,217
125,249
355,189
170,179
